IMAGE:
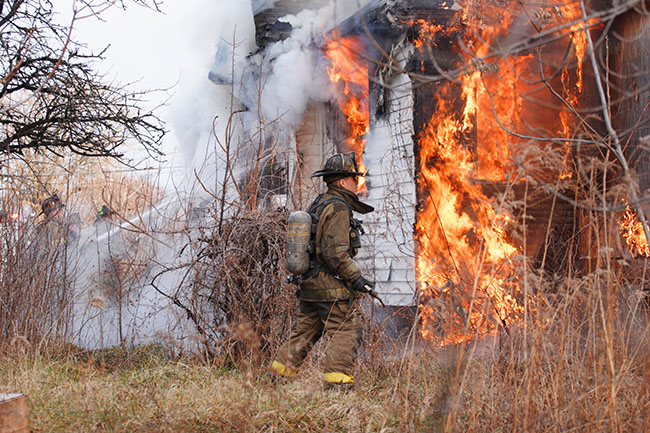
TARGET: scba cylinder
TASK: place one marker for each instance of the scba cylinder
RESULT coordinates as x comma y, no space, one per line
298,237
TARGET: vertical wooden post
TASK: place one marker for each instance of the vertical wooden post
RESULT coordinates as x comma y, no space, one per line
13,413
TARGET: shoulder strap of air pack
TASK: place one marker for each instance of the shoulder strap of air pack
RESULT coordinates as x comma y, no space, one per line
316,210
317,207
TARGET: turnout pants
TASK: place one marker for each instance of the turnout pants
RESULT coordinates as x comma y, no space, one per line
340,323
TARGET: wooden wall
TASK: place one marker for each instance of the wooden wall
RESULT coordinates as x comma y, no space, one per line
630,64
313,147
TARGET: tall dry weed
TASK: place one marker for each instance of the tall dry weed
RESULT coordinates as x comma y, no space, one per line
578,359
34,290
39,280
237,294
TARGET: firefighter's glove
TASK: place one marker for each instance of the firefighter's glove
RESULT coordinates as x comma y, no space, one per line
362,285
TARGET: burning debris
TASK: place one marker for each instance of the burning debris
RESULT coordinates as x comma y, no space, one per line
493,113
633,233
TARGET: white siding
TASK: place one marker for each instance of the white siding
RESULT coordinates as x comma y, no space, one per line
388,253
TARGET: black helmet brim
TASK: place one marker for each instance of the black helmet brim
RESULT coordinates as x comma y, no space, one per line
320,173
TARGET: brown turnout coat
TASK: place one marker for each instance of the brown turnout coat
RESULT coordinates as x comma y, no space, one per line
333,249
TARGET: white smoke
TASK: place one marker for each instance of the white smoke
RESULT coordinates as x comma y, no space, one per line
291,74
195,102
287,90
262,5
310,23
273,85
236,40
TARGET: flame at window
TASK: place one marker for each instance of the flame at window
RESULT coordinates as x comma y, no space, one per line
490,125
350,71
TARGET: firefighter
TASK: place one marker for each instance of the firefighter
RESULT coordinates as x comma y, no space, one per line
51,206
52,228
55,229
73,227
330,290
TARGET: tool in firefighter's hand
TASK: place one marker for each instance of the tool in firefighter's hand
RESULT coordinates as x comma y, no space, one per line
295,279
373,294
364,286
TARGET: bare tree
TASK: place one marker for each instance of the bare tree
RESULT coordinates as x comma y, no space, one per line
50,96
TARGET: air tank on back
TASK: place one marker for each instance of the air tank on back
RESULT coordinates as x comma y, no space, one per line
298,237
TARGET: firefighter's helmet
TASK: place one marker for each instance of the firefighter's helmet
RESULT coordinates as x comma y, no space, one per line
50,204
340,164
104,211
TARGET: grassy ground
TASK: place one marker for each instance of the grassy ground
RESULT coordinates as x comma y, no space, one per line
151,392
548,380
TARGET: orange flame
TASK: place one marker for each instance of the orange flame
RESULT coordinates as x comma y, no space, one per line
572,12
465,263
351,71
427,32
464,257
633,233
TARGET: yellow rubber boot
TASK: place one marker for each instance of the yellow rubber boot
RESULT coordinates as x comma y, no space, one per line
336,380
282,370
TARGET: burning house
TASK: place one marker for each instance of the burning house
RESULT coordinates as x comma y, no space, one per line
470,119
483,135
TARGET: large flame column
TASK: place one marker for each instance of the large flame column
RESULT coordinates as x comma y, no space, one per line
495,119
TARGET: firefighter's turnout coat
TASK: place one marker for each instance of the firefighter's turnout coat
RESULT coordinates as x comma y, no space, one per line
337,241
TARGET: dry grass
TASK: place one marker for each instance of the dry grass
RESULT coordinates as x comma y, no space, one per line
580,365
573,370
160,394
